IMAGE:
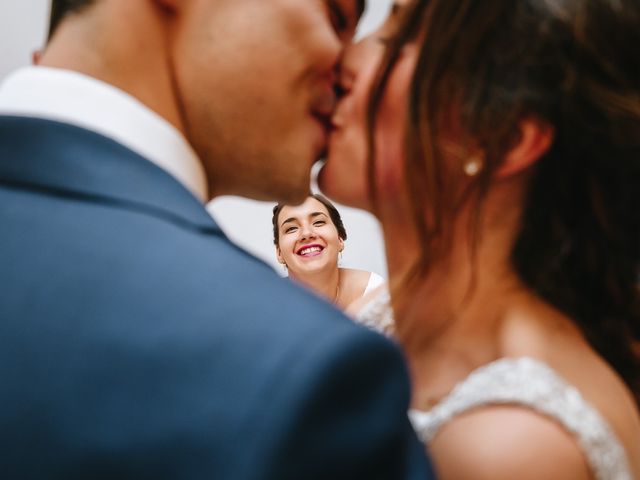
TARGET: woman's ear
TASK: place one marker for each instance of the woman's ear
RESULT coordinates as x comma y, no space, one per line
279,256
340,244
534,140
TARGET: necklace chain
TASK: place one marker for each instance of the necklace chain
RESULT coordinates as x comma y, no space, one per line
335,299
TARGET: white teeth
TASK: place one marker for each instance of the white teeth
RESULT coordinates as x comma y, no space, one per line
307,251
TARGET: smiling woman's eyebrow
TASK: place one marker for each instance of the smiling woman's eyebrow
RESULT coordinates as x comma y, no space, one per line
289,220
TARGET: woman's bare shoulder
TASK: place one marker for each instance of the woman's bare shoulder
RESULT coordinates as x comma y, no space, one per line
554,339
506,442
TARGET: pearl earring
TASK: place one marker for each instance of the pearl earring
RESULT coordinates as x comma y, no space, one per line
472,166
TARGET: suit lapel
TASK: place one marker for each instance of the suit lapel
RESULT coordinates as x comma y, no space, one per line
67,160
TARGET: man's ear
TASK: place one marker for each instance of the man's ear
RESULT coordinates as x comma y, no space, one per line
533,142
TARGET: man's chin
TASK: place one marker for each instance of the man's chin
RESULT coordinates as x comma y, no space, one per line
287,193
296,197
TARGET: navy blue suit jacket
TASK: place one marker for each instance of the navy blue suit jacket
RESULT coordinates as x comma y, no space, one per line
136,341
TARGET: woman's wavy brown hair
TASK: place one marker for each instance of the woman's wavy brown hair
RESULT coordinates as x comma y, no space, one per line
571,64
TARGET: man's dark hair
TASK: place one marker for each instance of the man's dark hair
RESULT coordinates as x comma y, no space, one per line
61,8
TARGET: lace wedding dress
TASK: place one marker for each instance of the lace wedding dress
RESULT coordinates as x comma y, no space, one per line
377,314
525,382
532,384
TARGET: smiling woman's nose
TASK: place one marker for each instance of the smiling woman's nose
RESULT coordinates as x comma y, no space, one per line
307,230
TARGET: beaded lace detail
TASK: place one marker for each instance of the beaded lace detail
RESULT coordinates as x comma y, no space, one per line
377,314
532,384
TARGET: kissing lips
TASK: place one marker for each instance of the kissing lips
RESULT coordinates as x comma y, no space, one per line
322,107
342,112
324,103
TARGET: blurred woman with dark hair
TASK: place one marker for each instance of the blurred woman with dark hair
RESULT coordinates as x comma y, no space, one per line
498,143
309,240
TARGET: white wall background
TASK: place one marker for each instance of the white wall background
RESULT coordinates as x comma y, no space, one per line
23,25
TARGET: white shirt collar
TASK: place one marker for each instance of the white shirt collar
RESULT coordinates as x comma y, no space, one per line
77,99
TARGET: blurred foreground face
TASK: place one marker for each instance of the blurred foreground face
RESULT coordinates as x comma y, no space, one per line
256,81
344,176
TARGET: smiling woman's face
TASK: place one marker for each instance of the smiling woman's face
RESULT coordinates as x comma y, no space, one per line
308,240
344,175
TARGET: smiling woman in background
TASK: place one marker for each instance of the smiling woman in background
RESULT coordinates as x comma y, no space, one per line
309,239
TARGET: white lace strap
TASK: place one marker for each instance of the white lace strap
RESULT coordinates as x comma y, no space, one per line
377,314
530,383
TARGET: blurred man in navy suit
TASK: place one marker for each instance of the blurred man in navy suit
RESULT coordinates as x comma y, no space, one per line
136,341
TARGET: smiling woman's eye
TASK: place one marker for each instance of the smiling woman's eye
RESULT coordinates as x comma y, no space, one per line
319,222
290,229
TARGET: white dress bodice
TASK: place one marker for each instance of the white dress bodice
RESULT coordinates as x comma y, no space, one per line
377,314
532,384
374,282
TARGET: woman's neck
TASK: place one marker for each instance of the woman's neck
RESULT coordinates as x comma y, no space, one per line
326,283
450,319
464,287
